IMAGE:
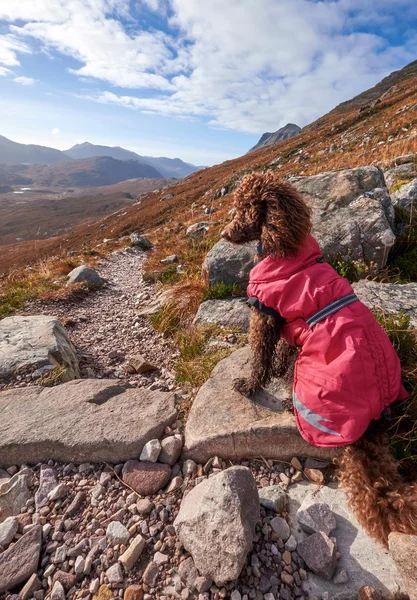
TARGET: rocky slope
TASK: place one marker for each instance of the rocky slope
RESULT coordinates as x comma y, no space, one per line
268,139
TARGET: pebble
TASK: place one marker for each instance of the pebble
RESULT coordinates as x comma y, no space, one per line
151,451
151,573
115,574
273,497
144,506
133,553
117,533
58,592
281,528
189,467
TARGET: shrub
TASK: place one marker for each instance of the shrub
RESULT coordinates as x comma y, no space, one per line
352,269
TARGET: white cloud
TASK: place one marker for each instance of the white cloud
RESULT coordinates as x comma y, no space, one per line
244,65
24,80
55,131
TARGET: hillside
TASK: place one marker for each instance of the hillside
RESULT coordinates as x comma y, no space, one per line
268,139
168,167
134,187
13,152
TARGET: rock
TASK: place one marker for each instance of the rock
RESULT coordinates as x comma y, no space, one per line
229,263
390,298
35,342
176,484
115,574
139,241
146,478
79,566
202,584
8,530
341,577
366,561
352,211
273,497
4,476
58,592
104,593
319,553
151,574
150,451
316,516
314,475
216,523
171,450
188,572
58,492
172,258
291,544
84,420
32,585
144,506
133,553
312,463
228,313
189,467
75,505
85,274
47,483
198,230
133,592
403,549
406,196
222,422
68,580
400,173
369,593
160,558
14,492
281,528
140,364
20,561
117,533
405,159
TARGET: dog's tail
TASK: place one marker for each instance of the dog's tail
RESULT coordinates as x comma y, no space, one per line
380,499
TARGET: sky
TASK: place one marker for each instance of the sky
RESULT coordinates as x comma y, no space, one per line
196,79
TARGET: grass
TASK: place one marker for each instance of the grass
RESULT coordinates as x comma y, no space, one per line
399,184
353,269
403,256
53,376
221,290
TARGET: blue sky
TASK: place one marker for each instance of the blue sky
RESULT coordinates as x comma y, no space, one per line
197,79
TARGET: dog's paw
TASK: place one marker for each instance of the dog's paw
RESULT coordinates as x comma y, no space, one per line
244,387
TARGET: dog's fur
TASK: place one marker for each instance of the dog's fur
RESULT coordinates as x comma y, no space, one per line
273,212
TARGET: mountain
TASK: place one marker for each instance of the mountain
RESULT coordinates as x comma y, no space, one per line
168,167
12,152
88,172
267,139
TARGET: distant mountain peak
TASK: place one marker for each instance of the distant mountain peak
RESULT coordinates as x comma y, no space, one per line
267,139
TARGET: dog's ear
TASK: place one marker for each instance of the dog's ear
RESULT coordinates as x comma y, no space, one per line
287,220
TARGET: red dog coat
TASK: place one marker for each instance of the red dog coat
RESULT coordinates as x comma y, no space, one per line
347,371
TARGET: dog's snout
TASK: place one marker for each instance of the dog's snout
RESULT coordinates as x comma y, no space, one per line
224,233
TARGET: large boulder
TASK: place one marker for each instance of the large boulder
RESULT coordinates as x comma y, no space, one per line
224,423
20,561
390,298
403,549
406,196
216,523
229,313
352,212
229,263
34,342
84,274
81,421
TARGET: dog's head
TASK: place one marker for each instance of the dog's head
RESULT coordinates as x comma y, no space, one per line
269,210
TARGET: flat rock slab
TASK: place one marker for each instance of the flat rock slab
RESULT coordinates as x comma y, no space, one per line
391,298
35,342
230,312
81,421
366,562
224,423
20,561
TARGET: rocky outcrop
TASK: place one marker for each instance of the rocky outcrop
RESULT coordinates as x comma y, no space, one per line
284,133
352,212
216,523
224,423
85,275
403,549
30,343
400,173
390,298
20,561
229,263
406,196
198,230
81,420
231,312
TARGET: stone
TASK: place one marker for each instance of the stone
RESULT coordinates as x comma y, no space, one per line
115,574
150,451
75,505
216,523
314,475
405,158
235,595
68,580
170,450
117,533
398,174
104,593
319,553
341,577
8,530
144,506
369,593
189,467
222,422
160,558
403,549
316,516
229,263
281,528
406,196
312,463
20,561
129,558
60,555
188,572
352,212
140,364
390,298
86,275
35,342
4,476
58,492
58,592
14,492
47,482
146,478
229,313
84,420
291,544
366,562
202,584
198,230
32,585
151,574
296,464
273,497
138,240
133,592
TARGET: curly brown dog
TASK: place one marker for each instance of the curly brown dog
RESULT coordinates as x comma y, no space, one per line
272,212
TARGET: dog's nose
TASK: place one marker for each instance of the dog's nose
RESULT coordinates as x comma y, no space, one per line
223,234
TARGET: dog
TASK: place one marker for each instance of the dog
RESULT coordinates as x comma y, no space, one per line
346,372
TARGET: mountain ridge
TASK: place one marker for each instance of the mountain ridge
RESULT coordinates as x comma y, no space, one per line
284,133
